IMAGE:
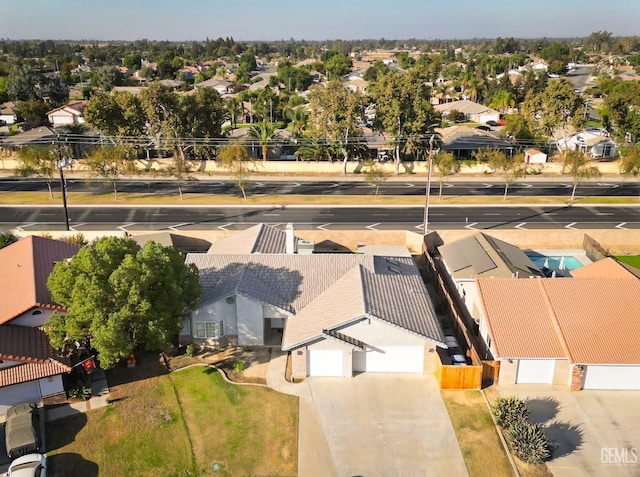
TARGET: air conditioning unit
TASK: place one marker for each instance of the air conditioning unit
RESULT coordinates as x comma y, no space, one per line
305,247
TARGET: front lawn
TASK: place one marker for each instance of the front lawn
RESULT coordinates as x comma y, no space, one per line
633,260
477,436
178,424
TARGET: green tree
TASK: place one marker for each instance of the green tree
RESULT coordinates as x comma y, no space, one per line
7,238
502,100
107,77
338,66
265,134
38,161
374,174
111,163
579,169
447,166
630,166
21,83
236,159
182,170
33,113
333,117
313,150
120,297
508,165
298,117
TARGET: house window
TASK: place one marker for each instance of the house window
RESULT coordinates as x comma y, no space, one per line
206,329
221,328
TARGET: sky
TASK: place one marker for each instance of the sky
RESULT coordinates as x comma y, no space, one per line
263,20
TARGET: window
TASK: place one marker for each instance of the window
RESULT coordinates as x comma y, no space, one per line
221,328
206,329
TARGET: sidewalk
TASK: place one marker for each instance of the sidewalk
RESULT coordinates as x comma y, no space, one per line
314,456
99,397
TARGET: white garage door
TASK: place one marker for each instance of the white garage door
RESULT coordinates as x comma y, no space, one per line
611,377
390,359
23,392
325,362
535,371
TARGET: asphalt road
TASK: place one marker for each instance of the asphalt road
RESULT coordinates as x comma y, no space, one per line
131,218
391,188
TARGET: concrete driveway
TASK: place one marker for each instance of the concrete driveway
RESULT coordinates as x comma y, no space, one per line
386,425
596,432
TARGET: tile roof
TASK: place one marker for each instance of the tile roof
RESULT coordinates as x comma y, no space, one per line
586,320
606,268
261,238
26,265
31,347
481,255
324,291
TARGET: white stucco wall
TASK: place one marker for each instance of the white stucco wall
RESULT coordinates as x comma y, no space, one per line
218,310
376,333
29,319
250,322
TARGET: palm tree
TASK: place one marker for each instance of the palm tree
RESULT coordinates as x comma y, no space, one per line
265,134
312,150
503,100
234,109
298,118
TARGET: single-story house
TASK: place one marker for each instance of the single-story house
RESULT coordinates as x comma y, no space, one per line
8,113
30,370
595,143
70,113
221,86
336,313
533,156
579,332
37,136
473,111
462,141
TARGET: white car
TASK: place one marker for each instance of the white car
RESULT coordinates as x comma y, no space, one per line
30,465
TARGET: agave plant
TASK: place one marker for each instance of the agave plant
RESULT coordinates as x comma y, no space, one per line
529,442
509,410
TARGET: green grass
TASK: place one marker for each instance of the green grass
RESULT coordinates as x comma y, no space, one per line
477,436
178,424
633,260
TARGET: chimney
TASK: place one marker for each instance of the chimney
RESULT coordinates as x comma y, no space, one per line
290,240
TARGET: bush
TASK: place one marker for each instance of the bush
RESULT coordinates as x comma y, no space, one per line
239,366
190,351
508,410
529,442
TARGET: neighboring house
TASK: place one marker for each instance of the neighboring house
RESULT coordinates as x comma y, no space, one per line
336,313
37,136
183,243
357,85
221,86
533,156
596,143
473,111
189,72
8,113
30,370
70,113
580,332
462,141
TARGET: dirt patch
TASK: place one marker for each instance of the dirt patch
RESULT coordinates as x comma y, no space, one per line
242,364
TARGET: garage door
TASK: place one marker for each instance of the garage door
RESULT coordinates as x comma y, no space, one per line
535,371
23,392
612,377
325,362
390,359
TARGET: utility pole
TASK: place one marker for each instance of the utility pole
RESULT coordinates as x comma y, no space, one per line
61,164
428,192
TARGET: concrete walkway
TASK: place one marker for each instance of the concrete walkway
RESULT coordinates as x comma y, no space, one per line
314,456
99,397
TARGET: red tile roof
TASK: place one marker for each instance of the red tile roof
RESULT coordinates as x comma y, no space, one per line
588,321
606,268
26,265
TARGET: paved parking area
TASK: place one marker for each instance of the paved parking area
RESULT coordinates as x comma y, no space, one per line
596,432
387,425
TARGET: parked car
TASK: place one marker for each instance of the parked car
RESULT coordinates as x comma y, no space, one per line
30,465
491,122
22,430
483,128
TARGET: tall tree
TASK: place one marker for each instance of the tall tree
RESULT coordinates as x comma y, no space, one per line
39,161
265,134
111,163
580,169
333,117
120,297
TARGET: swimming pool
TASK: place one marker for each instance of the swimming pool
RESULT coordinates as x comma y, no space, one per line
570,263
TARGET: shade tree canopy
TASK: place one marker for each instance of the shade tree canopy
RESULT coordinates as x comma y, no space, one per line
120,297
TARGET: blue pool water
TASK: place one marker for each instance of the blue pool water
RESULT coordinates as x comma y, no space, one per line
570,263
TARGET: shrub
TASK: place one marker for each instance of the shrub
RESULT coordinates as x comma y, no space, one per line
239,366
190,351
7,238
508,410
529,442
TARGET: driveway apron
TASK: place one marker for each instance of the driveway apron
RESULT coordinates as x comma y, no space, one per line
387,425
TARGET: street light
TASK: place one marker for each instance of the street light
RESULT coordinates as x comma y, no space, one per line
61,163
428,192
